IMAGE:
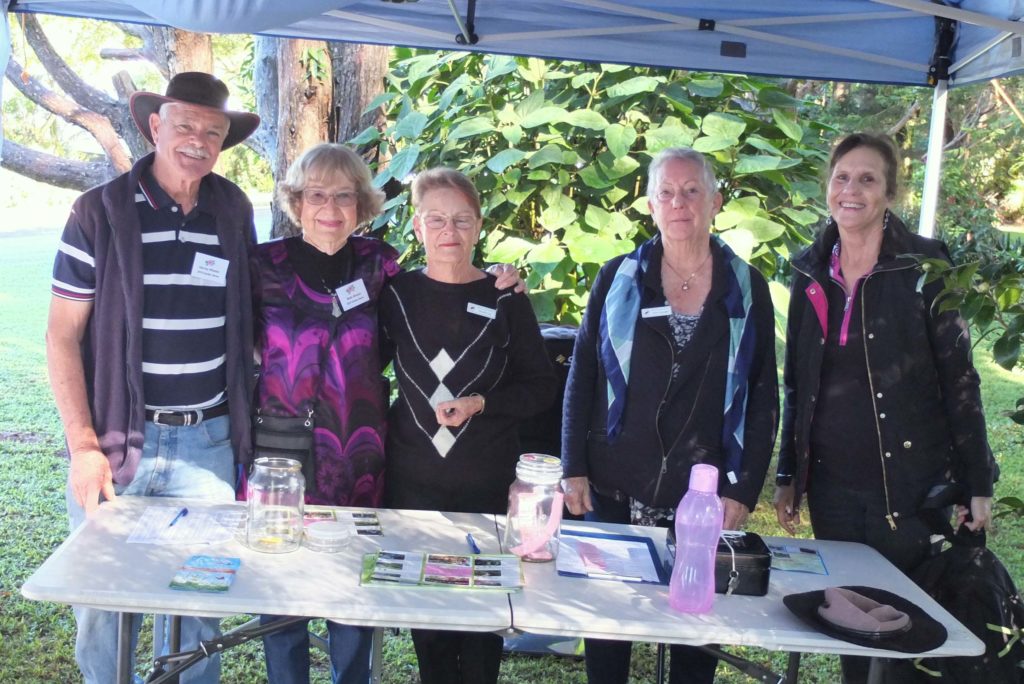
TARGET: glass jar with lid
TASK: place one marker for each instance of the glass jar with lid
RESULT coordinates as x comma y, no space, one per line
275,495
535,508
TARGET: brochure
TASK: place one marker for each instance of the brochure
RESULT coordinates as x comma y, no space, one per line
797,558
206,573
443,570
622,557
365,522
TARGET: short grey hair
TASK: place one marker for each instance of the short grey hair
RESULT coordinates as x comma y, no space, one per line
681,154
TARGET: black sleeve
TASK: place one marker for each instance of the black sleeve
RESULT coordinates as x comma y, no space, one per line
786,468
530,384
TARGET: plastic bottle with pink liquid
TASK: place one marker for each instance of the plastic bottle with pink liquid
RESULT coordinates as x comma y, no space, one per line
698,526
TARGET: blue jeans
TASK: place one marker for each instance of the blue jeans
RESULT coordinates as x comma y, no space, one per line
192,461
287,653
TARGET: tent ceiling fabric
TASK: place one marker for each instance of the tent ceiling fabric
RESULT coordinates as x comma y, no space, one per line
886,41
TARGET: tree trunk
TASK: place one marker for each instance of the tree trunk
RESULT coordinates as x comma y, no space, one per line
304,100
264,77
359,72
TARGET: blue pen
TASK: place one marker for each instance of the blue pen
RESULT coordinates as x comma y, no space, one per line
472,543
181,514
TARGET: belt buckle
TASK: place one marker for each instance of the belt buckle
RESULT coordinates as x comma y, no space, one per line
156,416
198,414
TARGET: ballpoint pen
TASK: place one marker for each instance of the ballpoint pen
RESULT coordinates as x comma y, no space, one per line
472,543
181,514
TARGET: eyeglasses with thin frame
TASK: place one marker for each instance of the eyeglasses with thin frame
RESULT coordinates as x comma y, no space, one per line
436,221
666,196
316,198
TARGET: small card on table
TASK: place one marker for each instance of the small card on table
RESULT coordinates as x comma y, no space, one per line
206,573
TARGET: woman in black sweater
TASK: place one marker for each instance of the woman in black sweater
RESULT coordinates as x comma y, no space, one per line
470,363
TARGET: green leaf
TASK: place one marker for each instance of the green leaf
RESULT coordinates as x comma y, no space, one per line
586,118
787,123
705,87
614,68
773,97
411,125
637,84
380,101
509,251
763,230
367,135
737,211
547,252
531,104
741,241
594,249
504,159
803,217
658,138
558,214
620,139
725,126
616,167
444,103
580,80
513,134
404,162
499,65
544,115
549,154
757,163
472,127
534,71
596,217
1006,350
593,177
713,143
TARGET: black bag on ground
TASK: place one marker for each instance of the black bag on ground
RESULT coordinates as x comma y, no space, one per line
971,583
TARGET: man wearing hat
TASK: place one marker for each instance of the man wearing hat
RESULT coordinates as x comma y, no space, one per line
149,338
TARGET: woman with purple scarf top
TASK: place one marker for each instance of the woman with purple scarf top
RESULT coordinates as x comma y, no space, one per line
316,300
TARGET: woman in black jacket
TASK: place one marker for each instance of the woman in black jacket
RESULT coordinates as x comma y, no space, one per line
674,364
882,402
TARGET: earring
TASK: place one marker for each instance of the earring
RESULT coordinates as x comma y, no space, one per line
885,220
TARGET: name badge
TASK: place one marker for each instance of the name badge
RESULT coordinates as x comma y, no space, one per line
479,310
656,312
206,267
352,294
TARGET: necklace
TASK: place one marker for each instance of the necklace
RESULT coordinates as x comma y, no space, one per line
686,281
335,307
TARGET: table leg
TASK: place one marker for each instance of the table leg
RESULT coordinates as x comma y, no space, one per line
124,648
173,623
793,668
659,671
875,671
377,656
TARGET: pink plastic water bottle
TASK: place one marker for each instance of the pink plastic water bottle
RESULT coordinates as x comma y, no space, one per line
698,525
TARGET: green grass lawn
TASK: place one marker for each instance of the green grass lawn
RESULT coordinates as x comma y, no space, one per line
36,639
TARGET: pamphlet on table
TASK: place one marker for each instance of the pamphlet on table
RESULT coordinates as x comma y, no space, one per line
442,570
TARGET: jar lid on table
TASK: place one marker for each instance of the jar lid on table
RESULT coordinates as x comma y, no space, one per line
539,469
328,536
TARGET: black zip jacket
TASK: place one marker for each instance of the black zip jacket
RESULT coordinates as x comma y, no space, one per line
641,463
929,421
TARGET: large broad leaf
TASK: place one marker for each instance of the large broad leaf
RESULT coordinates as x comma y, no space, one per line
543,302
472,127
513,134
620,139
638,84
616,167
404,162
787,123
444,102
509,251
737,211
544,115
741,241
596,217
594,249
368,135
723,126
587,118
713,143
559,213
763,230
760,163
499,65
549,154
580,80
534,71
545,257
593,177
504,159
773,97
660,137
380,101
411,125
705,87
803,217
1006,350
531,103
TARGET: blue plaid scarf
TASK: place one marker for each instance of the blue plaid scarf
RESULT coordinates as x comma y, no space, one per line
618,325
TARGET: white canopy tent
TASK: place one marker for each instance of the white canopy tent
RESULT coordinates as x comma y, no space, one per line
902,42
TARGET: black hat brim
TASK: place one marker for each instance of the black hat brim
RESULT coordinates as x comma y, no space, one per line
143,103
925,633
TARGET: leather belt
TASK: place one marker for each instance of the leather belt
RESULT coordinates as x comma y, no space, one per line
182,418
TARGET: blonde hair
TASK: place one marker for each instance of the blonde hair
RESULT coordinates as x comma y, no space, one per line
329,163
441,177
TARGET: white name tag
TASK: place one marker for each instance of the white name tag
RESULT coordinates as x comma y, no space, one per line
656,311
479,310
352,294
206,267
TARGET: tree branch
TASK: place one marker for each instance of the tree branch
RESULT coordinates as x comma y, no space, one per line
912,111
1005,97
54,170
96,124
123,54
68,80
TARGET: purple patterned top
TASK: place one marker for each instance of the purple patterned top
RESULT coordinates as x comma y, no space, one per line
293,325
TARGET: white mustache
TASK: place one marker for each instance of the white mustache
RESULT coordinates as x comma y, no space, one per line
197,152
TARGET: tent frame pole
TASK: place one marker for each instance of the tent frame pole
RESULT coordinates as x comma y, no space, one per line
933,163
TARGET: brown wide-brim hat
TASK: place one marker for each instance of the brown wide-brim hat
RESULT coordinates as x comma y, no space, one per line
196,88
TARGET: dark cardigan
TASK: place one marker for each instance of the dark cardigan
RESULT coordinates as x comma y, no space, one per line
112,345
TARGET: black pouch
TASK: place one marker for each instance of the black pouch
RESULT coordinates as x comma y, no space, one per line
743,564
286,437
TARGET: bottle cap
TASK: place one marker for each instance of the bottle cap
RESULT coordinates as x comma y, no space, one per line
704,478
539,469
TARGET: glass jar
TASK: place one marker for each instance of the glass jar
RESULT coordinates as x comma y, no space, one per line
535,508
275,495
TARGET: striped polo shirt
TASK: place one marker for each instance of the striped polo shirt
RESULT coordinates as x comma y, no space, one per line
183,340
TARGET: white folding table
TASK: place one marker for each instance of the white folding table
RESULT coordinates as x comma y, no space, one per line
96,567
608,609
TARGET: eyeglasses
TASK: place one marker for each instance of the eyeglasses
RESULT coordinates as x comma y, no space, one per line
436,221
317,198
